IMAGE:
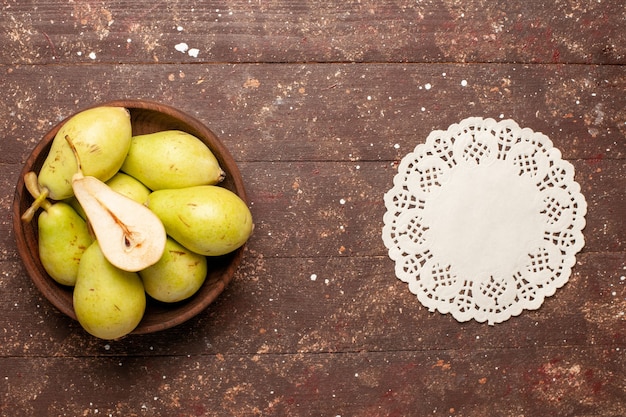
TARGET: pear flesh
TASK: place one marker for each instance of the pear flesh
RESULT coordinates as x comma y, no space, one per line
109,303
131,236
101,136
207,219
171,159
123,184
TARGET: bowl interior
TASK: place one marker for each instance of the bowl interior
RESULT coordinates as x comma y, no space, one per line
146,117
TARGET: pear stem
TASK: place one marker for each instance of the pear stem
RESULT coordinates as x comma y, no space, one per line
32,185
73,148
40,196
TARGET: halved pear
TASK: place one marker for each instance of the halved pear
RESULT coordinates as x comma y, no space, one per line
130,235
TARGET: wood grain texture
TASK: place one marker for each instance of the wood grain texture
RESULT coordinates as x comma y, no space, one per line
335,112
363,308
553,381
318,102
263,31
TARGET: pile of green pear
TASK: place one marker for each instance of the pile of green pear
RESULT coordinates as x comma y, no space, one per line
124,217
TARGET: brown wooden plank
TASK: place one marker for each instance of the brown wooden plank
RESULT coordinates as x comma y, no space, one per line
353,304
538,381
333,112
308,198
311,209
142,31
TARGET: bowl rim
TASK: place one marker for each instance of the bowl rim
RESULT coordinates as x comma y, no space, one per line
52,291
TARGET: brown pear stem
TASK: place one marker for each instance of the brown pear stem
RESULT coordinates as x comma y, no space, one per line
73,148
40,196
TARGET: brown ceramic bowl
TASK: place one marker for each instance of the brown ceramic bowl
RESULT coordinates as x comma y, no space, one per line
146,117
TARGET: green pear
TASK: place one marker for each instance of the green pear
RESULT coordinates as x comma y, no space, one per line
129,186
101,136
176,276
206,219
109,303
63,236
171,159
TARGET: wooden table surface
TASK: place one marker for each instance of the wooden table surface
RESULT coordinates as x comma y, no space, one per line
317,102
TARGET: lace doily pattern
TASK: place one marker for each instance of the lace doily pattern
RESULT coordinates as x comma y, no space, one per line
484,220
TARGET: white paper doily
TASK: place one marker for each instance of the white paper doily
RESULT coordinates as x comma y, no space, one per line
484,220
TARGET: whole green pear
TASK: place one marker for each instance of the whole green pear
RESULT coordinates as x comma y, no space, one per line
206,219
129,186
171,159
101,136
176,276
63,238
109,303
